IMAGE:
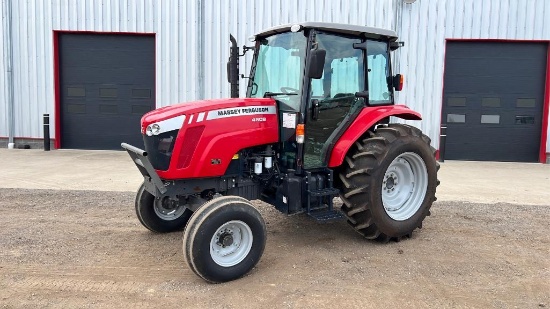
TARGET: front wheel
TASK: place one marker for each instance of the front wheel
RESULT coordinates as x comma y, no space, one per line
160,215
388,182
224,239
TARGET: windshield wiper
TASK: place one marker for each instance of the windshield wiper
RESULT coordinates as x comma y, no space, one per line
272,94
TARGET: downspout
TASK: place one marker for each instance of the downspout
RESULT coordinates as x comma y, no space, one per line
200,48
398,27
8,50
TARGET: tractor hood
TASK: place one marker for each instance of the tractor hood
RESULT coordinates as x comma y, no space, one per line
199,139
197,111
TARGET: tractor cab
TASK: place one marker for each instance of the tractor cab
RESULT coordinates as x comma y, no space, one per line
321,76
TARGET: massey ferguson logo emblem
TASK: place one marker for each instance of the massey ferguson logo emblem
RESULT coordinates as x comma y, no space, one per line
240,111
244,110
228,112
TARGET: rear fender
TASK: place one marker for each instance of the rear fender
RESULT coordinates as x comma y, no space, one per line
368,117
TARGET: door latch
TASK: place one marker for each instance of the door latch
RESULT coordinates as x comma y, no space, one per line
315,109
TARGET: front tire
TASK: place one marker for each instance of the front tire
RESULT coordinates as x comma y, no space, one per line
388,182
224,239
158,216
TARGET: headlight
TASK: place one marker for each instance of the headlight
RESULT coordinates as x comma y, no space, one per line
152,129
155,128
169,124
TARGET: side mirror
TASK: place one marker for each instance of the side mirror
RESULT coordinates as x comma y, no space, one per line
398,81
316,63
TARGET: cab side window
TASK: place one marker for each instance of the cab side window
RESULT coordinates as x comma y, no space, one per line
343,73
378,72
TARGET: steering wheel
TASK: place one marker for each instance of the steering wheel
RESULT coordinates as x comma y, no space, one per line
289,90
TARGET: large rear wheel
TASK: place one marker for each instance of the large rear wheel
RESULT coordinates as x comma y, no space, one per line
389,180
160,215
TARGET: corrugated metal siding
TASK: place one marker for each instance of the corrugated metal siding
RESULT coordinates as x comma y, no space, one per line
3,85
176,25
243,18
426,25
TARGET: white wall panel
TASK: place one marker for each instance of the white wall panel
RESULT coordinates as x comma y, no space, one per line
177,25
3,75
243,18
34,21
426,25
179,65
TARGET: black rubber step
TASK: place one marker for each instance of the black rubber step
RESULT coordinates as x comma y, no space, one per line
326,215
324,192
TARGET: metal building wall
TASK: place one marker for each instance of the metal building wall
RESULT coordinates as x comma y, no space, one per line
426,24
243,18
174,22
182,29
3,75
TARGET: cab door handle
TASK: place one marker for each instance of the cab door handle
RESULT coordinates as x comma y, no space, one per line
315,109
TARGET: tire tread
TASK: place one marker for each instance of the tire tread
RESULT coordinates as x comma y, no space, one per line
360,165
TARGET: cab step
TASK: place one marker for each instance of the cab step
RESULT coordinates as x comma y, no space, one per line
323,192
325,215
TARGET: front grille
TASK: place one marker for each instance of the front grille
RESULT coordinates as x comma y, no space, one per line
159,149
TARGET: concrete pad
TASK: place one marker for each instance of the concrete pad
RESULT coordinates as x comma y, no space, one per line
99,170
480,182
492,182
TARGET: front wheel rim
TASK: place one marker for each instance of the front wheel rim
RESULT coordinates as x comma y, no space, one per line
231,243
165,211
404,186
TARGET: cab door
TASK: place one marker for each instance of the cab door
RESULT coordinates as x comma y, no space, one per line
332,98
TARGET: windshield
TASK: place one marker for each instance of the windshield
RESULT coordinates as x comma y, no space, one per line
280,68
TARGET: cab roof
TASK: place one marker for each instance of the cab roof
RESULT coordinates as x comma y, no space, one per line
334,27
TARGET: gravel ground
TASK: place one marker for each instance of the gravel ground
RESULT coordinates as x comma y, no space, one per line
86,249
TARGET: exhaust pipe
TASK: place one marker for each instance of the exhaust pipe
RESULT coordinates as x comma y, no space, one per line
233,68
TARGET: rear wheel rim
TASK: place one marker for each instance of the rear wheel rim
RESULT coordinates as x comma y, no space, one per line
231,243
404,186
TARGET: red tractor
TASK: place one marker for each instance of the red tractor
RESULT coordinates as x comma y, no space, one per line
314,125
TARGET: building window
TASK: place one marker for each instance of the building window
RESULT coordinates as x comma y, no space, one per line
456,118
76,92
456,102
490,102
525,119
141,93
108,92
527,103
76,108
492,119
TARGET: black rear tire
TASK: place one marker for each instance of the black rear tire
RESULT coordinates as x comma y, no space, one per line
150,217
363,176
231,221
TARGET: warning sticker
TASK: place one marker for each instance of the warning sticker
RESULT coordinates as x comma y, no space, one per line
289,120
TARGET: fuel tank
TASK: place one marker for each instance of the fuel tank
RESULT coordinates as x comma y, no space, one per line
199,139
